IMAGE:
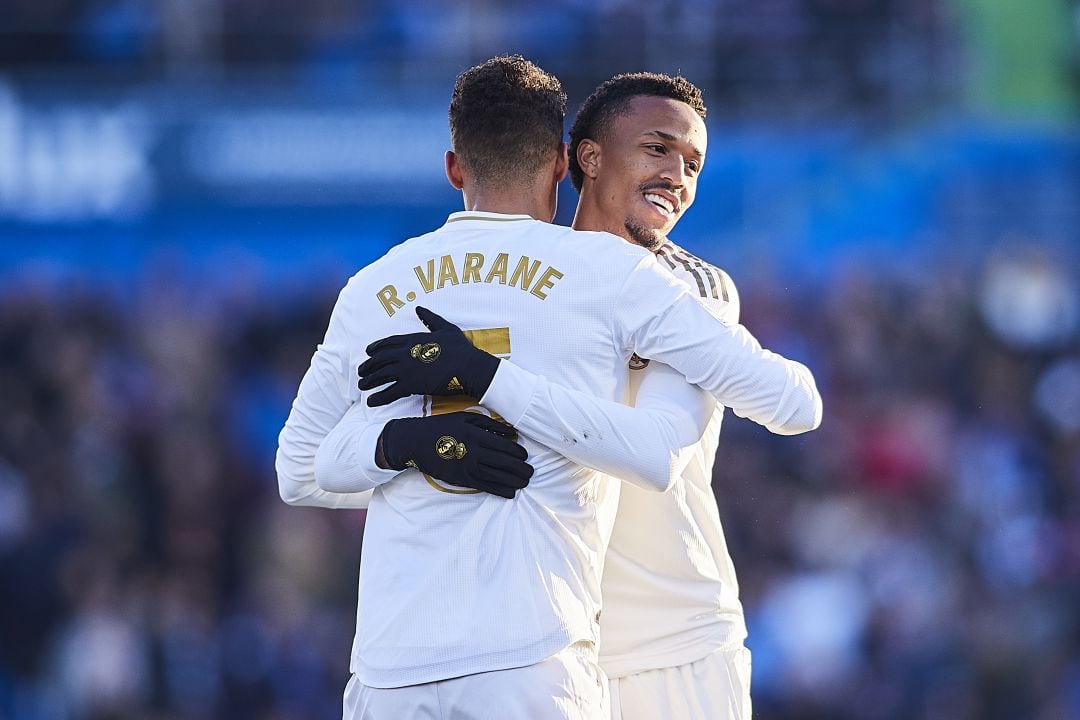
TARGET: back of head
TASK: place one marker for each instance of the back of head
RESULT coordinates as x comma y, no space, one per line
506,120
613,98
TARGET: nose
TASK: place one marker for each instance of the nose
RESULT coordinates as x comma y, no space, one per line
674,171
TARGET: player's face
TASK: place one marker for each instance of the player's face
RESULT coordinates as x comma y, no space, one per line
650,160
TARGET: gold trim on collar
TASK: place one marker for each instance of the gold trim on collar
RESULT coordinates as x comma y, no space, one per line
489,219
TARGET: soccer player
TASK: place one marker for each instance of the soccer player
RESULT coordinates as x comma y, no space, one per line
673,630
470,600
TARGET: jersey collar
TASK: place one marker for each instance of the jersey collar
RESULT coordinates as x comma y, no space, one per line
477,215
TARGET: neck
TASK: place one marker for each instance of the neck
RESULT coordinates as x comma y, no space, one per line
509,201
589,216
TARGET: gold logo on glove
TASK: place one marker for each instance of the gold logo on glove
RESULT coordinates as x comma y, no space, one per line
448,448
426,352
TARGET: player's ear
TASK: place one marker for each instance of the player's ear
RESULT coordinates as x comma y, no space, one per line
588,157
453,170
562,163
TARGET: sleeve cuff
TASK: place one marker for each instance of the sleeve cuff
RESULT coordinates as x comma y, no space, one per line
511,392
366,445
345,461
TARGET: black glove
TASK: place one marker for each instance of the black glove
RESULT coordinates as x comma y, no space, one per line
463,448
440,362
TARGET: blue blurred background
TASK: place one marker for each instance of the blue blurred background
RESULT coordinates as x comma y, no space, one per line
186,184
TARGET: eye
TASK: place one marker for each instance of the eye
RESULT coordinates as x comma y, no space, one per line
694,167
657,148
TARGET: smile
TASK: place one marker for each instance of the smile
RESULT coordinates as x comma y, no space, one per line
666,206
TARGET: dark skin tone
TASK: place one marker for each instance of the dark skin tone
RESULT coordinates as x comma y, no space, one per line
641,177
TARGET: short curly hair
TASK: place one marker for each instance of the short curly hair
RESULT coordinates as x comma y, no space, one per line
613,98
506,119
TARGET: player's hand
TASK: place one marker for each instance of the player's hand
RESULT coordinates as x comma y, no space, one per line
440,362
466,449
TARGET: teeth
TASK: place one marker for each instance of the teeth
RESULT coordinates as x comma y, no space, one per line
660,202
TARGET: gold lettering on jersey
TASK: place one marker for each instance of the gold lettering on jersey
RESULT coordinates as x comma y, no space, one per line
447,271
524,272
498,270
427,280
436,273
471,271
546,282
389,300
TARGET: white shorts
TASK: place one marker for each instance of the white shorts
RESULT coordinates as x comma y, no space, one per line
567,686
716,687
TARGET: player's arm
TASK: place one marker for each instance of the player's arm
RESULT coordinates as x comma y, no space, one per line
641,444
663,322
647,444
371,446
328,436
325,395
324,416
345,459
663,385
638,444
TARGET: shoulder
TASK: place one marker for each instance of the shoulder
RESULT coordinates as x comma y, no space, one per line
710,283
397,253
707,279
598,240
603,252
361,288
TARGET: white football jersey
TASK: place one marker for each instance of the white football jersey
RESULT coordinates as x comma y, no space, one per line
455,582
669,587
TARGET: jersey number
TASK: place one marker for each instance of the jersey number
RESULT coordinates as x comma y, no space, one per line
495,341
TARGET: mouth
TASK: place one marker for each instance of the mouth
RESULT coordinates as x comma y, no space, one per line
666,206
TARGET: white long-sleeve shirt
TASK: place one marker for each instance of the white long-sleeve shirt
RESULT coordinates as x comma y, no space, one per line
670,592
454,583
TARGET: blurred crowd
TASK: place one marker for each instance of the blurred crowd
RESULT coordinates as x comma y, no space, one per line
917,557
147,567
876,53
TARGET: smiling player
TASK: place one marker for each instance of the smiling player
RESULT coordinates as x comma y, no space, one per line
673,631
